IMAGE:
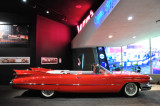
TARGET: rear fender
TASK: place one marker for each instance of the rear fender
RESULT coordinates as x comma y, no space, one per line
25,73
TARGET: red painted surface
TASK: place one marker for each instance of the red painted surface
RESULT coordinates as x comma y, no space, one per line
52,37
78,6
40,80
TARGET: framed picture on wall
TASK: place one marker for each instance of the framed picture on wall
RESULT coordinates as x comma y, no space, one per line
49,60
14,60
14,35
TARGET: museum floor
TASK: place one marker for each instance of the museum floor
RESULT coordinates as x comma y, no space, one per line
14,97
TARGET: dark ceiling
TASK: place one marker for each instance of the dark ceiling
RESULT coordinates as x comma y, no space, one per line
70,12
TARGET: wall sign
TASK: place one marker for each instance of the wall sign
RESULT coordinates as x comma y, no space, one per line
49,60
105,10
85,21
14,60
14,34
80,61
102,57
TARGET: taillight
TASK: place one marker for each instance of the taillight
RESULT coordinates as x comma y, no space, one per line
13,77
14,74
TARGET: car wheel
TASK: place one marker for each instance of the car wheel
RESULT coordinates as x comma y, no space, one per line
48,94
131,89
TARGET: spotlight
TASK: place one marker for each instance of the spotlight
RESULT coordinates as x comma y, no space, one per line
110,36
47,12
78,6
24,1
134,37
130,18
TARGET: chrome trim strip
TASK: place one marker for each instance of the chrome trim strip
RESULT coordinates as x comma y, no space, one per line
135,78
65,84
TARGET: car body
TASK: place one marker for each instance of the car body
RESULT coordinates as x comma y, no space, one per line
98,80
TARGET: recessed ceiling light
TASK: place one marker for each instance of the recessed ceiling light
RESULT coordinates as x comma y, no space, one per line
110,36
134,37
130,18
24,1
78,6
15,25
47,12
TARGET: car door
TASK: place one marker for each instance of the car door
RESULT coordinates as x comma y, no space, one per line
91,83
67,83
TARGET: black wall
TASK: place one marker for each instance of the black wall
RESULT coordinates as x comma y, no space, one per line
27,51
90,57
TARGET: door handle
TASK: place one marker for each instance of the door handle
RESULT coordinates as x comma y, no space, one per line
78,77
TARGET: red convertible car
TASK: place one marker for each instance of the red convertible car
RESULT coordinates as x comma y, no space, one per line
99,80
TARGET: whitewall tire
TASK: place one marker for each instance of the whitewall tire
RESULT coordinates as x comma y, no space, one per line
131,89
48,94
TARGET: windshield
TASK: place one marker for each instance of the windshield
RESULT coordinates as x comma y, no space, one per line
104,70
98,69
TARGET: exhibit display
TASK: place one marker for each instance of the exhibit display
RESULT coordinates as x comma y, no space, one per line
137,54
14,34
86,52
98,80
14,60
49,60
142,57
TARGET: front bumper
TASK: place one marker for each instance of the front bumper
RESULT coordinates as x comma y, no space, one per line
145,86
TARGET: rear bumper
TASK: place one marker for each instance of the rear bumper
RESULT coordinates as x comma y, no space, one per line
145,86
11,82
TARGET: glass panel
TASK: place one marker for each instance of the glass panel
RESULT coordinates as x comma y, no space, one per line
114,58
136,57
155,48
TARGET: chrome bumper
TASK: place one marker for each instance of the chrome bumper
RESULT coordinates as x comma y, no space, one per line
11,82
145,86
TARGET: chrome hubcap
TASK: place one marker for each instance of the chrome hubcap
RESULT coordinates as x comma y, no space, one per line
131,89
47,93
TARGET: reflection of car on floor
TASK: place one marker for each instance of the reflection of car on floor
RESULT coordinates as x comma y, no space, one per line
99,80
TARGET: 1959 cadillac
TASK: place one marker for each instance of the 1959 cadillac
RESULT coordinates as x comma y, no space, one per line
98,80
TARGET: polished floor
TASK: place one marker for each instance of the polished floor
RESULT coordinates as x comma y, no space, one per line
14,97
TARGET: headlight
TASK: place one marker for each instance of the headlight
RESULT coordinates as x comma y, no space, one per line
151,79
